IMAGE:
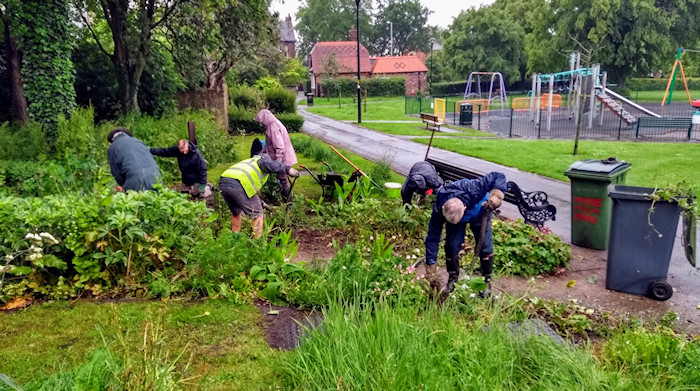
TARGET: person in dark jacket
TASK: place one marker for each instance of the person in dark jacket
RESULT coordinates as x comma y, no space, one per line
422,179
131,162
192,165
460,203
241,183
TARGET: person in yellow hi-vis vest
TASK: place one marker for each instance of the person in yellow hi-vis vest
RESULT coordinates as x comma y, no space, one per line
241,183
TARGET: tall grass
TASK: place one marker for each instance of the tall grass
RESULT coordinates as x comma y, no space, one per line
370,346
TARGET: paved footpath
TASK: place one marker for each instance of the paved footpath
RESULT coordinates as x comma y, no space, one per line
403,153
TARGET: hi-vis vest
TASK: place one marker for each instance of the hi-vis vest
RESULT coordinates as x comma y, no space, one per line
248,173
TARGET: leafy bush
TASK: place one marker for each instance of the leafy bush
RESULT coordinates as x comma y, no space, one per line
280,100
33,179
449,88
26,143
385,86
243,121
380,86
105,240
649,84
268,82
293,122
522,250
246,97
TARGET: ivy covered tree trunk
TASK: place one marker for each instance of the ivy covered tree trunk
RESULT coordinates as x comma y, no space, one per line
13,57
45,41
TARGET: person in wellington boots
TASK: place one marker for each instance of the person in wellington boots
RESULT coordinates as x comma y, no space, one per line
130,161
277,145
241,183
457,204
423,179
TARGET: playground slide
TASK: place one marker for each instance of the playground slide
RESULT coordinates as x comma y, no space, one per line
615,95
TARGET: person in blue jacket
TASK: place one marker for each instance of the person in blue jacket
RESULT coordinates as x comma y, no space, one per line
192,165
423,179
131,162
460,203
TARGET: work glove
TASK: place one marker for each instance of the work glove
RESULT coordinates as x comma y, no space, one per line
293,172
495,199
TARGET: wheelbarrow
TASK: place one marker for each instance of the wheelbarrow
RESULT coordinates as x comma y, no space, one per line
328,180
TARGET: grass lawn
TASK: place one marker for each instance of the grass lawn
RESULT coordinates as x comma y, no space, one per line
387,109
653,164
657,96
227,347
418,129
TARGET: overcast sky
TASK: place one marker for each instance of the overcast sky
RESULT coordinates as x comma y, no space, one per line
443,10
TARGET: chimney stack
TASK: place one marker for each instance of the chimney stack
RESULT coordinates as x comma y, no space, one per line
353,34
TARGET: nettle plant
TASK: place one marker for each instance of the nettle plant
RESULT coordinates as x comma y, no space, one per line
521,249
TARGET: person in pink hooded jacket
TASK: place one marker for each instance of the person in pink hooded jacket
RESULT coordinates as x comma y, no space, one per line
277,145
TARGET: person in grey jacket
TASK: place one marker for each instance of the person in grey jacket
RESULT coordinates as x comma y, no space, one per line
422,179
131,162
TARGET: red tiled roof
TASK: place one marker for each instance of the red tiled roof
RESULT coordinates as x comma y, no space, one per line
398,64
345,55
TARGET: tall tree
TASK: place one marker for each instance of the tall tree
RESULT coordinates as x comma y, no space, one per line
131,24
209,37
331,20
46,43
410,27
636,36
485,39
9,11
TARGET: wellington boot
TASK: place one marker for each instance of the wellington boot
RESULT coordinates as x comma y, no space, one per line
431,275
486,293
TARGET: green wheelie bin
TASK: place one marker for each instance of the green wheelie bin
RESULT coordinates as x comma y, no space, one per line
590,203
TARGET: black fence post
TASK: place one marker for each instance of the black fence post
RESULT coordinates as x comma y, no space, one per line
479,118
619,129
510,131
539,123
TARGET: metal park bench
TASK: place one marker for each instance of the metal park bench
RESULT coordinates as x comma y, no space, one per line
533,206
665,123
431,120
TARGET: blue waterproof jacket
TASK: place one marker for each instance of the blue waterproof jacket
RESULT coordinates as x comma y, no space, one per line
472,193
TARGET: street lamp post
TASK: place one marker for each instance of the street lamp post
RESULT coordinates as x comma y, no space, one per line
359,89
430,81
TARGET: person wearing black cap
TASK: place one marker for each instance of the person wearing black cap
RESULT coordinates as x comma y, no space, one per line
131,162
423,179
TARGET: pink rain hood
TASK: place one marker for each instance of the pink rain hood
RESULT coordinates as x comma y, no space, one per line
277,142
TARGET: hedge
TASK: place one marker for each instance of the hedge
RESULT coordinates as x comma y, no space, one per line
378,86
243,121
280,100
649,84
449,88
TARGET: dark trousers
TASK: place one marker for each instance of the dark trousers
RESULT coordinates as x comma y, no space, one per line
285,187
454,236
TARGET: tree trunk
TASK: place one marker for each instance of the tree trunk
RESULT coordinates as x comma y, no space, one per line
18,98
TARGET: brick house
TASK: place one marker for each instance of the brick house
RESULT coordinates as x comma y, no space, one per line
409,67
288,40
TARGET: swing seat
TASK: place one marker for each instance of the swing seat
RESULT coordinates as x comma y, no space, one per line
696,103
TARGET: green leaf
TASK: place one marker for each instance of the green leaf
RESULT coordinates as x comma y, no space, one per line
257,273
21,270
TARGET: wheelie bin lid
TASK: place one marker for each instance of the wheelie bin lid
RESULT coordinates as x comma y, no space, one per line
633,193
597,169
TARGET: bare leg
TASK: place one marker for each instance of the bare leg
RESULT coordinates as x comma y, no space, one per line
236,223
257,226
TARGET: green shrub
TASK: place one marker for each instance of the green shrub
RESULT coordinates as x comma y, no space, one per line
26,142
100,238
449,88
385,86
293,122
243,121
522,250
380,86
649,84
246,97
280,100
268,82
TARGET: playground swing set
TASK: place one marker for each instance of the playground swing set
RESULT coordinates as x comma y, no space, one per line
678,65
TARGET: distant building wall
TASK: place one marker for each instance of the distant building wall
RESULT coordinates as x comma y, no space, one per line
213,100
